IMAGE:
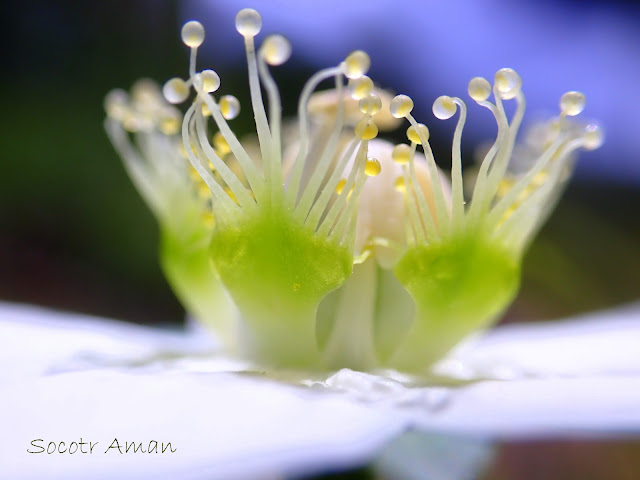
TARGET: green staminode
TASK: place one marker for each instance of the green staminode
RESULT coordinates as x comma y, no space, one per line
278,250
144,128
462,267
329,271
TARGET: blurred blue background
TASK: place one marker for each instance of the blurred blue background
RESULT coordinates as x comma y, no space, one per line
75,235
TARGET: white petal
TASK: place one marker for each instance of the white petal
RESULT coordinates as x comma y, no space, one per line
235,425
35,341
604,343
223,426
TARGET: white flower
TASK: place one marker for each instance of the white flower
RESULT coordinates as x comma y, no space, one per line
328,266
64,377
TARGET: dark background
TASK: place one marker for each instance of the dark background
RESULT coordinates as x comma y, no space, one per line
75,235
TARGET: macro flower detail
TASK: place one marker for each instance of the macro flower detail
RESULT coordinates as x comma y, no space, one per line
278,250
463,268
144,128
337,248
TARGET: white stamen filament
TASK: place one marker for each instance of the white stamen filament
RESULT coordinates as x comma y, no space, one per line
222,200
310,86
320,169
438,193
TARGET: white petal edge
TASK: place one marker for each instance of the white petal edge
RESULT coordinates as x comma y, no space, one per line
599,343
223,426
35,341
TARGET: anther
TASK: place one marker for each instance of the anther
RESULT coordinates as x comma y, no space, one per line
248,22
399,184
401,154
366,129
417,135
175,90
401,106
444,107
116,104
193,34
276,50
210,81
479,89
356,64
593,137
360,87
508,83
170,121
340,185
370,105
229,106
372,168
572,103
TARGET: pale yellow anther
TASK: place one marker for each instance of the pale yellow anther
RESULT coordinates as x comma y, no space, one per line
175,90
372,168
572,103
356,64
210,81
276,49
340,185
399,185
116,104
593,137
360,87
366,129
401,154
415,135
248,22
193,34
170,122
444,107
401,106
508,83
205,110
370,105
479,89
145,94
220,143
229,106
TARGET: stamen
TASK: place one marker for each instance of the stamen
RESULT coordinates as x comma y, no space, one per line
248,24
230,178
479,90
310,193
372,167
275,50
443,108
338,206
192,37
507,85
572,103
176,90
361,87
229,107
222,200
332,185
370,105
303,119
